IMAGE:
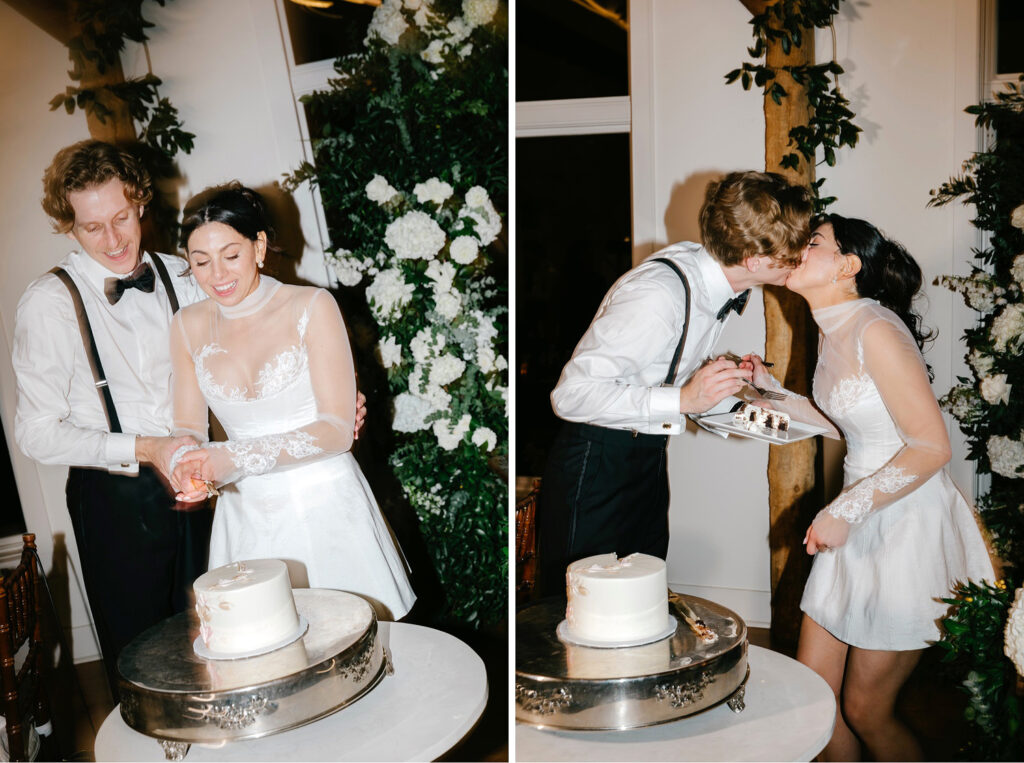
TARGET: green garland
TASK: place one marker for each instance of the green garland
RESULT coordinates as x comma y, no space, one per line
410,161
830,126
992,418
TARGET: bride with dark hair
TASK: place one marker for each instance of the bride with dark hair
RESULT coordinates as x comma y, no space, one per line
899,535
273,362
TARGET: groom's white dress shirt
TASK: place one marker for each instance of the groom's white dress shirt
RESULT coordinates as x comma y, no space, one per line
614,378
59,417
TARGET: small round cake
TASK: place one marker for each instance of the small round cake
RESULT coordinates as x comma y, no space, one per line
616,601
245,607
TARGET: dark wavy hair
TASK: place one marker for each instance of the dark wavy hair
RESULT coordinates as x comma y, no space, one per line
887,271
233,205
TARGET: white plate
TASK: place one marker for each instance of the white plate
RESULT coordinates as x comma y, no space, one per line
205,652
798,430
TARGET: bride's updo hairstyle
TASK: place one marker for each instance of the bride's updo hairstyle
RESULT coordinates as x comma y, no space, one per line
887,271
234,205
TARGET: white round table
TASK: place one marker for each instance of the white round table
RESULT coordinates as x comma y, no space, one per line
790,712
434,698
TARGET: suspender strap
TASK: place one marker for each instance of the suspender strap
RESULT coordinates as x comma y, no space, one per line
161,270
670,379
106,400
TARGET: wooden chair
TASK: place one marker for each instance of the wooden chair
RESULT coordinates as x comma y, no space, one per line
526,543
23,702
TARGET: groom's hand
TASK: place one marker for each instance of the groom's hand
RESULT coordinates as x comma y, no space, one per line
157,451
711,384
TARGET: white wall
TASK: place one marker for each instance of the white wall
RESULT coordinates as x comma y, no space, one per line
912,68
224,66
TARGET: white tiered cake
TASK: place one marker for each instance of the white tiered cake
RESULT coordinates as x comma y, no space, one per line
617,601
245,607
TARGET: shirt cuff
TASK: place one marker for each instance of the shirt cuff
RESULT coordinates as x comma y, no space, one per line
121,453
665,417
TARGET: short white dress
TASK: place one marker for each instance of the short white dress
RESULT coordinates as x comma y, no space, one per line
912,535
276,370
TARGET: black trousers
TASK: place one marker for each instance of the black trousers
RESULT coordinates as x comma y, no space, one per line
139,553
603,490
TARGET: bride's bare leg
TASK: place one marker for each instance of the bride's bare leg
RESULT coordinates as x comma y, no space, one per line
873,679
826,655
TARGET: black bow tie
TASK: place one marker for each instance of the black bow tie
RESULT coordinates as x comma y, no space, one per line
141,278
736,303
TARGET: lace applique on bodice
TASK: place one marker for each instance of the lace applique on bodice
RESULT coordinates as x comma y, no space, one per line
846,394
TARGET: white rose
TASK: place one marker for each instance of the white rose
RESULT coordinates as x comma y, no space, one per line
459,30
479,209
433,190
415,235
348,271
484,436
390,352
464,249
412,5
442,274
1017,218
995,389
380,190
477,12
1006,456
485,359
1007,328
447,304
434,52
1014,639
410,411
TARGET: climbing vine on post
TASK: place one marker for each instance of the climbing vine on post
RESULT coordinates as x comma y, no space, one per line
830,126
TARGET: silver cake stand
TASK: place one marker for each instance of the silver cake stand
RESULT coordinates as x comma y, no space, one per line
562,685
170,693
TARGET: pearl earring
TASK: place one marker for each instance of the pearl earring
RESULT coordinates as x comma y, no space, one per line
260,265
833,278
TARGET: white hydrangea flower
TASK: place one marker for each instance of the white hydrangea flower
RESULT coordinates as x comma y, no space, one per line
1007,328
482,212
449,437
1017,218
478,12
458,30
1013,643
442,274
466,50
501,364
446,369
447,304
1017,270
413,5
390,352
484,437
995,389
464,249
415,235
485,359
434,190
434,52
426,344
435,395
1006,456
348,270
981,363
388,294
410,412
387,23
380,190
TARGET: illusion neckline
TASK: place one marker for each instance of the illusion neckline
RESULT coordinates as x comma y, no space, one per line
253,303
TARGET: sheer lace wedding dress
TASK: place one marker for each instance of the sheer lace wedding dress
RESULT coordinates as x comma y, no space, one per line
912,534
277,371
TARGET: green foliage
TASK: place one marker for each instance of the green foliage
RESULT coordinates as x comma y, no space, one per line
427,103
992,418
973,640
105,25
830,126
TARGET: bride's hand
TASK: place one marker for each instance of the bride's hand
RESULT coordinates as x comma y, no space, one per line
191,474
761,376
826,532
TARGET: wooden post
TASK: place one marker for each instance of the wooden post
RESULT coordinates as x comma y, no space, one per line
791,344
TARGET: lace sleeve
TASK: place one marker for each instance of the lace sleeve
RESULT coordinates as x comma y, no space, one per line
801,408
325,341
895,366
191,416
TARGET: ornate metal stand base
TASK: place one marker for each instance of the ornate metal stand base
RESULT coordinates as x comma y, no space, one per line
170,693
736,702
576,687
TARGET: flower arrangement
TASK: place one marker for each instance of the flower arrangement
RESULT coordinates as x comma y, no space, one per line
981,634
411,165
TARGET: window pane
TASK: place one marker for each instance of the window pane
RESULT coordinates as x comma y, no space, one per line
12,522
564,50
572,243
320,34
1009,34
